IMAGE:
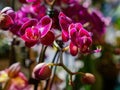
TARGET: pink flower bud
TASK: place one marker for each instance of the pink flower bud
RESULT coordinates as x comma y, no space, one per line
41,71
5,21
88,78
14,70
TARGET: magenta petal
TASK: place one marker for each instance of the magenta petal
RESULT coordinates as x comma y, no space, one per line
15,29
84,44
84,32
31,34
84,41
73,35
64,21
65,36
71,26
73,49
78,26
48,38
45,25
27,24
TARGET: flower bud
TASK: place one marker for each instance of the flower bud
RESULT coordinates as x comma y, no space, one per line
5,21
14,70
41,71
88,78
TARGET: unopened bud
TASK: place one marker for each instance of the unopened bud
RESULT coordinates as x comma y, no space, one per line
41,71
13,70
5,21
88,78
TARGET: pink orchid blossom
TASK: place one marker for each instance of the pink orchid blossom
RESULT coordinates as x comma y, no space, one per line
80,38
31,36
33,32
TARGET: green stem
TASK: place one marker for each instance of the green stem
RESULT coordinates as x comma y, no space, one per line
61,57
53,60
65,68
80,73
62,65
42,54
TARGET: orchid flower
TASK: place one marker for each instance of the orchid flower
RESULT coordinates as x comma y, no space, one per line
80,38
33,32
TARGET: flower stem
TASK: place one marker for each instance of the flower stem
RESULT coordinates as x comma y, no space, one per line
80,73
61,57
42,54
65,68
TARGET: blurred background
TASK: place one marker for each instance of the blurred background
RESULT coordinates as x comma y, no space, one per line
104,65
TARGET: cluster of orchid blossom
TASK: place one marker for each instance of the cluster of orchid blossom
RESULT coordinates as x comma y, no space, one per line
39,21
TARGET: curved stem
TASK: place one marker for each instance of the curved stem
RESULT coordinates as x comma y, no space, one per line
66,69
62,65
